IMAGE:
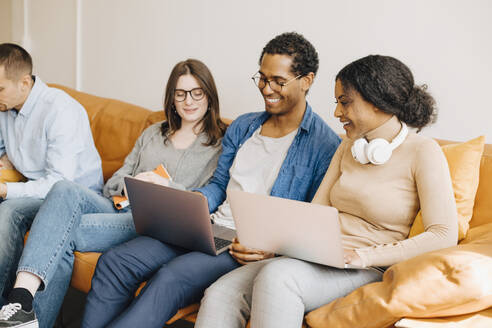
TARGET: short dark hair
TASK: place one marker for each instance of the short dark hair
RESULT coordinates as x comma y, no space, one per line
212,124
389,85
304,55
15,60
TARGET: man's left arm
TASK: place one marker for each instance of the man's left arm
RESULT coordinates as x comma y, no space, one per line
65,140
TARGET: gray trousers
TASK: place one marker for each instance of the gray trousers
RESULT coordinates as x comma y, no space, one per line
276,293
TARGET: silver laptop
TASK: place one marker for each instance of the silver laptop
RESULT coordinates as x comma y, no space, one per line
296,229
177,217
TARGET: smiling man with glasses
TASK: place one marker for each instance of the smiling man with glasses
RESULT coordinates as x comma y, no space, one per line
283,151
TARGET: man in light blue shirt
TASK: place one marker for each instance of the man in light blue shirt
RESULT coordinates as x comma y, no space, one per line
45,135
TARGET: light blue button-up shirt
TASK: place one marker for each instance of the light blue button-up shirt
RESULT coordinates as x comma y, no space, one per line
48,140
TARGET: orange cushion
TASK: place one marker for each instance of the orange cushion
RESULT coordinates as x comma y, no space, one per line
482,319
452,281
10,175
464,167
84,266
482,211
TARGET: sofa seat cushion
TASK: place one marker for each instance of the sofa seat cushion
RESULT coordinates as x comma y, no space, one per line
84,265
447,282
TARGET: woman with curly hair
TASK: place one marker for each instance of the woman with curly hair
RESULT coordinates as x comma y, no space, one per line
379,178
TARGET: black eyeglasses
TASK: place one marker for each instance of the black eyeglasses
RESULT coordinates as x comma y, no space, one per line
274,84
196,93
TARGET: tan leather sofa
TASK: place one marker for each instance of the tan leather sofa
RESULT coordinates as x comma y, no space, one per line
116,125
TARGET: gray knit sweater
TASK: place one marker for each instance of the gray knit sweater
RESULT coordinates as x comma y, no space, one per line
189,168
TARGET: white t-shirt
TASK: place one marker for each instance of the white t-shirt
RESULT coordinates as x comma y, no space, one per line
254,169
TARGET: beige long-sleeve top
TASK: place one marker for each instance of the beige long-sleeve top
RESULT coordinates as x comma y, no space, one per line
377,204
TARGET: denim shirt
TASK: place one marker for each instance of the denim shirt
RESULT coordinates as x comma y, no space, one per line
304,167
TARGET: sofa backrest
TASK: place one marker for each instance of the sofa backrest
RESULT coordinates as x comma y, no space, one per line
482,211
115,126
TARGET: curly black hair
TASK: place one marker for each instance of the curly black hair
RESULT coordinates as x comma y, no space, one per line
304,56
388,84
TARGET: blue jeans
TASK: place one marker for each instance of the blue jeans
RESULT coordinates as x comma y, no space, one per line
16,216
175,278
72,218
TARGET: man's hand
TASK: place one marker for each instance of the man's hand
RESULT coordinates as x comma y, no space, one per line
351,257
244,255
3,190
5,162
153,178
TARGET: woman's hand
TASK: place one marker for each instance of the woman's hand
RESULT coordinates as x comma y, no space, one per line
351,257
153,178
244,255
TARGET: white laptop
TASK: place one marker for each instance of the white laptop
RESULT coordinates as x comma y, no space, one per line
301,230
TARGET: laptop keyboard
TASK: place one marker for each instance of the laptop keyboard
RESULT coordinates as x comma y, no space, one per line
220,243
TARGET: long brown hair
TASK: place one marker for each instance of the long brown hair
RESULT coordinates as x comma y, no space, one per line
212,125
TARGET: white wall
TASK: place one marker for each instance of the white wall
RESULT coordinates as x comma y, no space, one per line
52,31
5,21
125,49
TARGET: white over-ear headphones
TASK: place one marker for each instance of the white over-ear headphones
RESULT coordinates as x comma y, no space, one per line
377,151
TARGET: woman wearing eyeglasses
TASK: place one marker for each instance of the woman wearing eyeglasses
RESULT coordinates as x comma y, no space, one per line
74,218
283,151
